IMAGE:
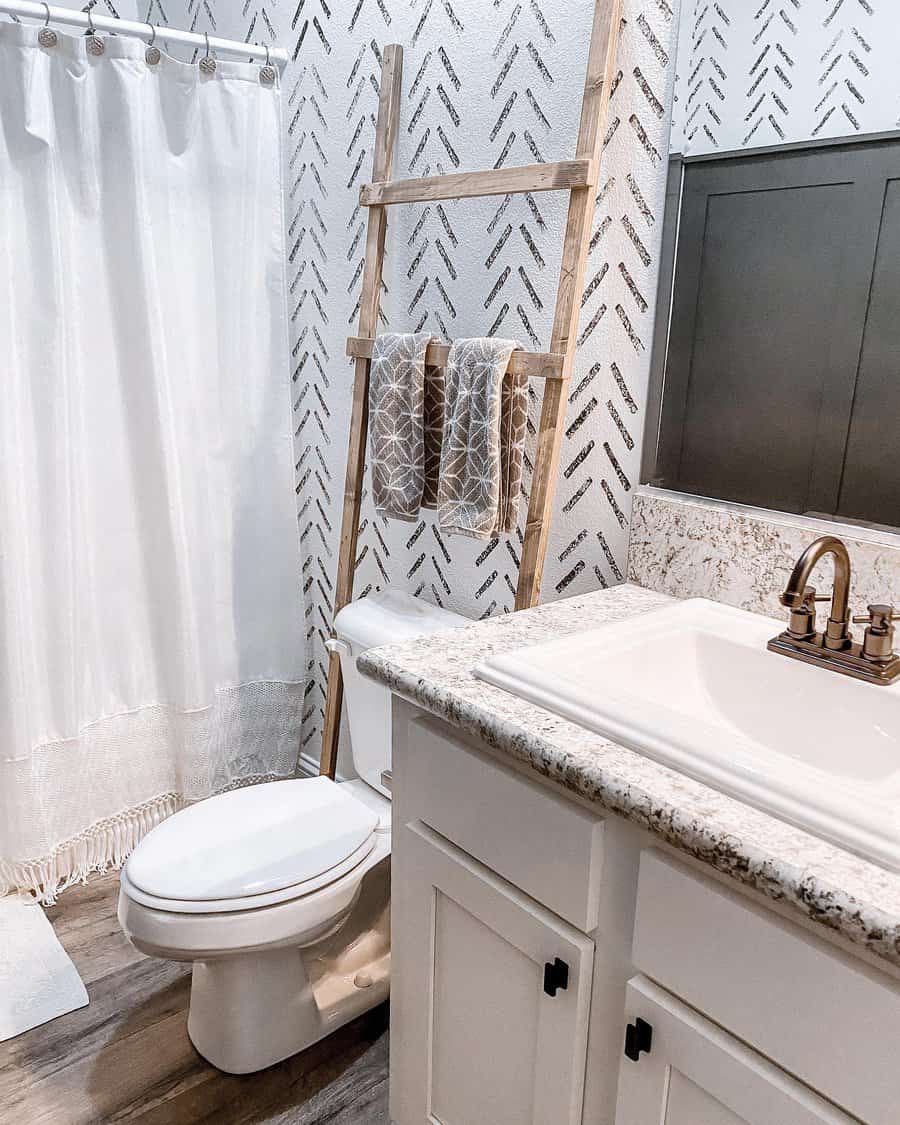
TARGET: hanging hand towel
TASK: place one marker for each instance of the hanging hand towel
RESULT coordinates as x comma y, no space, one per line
484,440
396,434
434,434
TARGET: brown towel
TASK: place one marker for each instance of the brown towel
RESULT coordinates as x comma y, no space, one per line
396,420
434,434
485,416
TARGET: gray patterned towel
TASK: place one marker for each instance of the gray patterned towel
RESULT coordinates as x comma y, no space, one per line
485,414
396,423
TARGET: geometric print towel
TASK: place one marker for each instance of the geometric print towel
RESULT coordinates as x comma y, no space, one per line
485,418
396,423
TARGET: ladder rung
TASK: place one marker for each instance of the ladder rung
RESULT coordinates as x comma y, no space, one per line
563,175
536,365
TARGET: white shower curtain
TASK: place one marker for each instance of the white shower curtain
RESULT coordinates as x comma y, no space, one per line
151,633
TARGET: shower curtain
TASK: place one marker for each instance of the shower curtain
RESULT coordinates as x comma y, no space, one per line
151,630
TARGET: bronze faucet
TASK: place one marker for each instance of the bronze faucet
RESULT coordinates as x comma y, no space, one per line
797,594
874,660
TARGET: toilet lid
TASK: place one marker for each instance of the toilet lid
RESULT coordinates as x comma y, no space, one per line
251,841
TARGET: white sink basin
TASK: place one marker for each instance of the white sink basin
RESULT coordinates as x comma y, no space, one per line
693,686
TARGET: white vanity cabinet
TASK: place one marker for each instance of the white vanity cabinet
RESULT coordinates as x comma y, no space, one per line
552,965
497,1031
814,1012
492,991
694,1073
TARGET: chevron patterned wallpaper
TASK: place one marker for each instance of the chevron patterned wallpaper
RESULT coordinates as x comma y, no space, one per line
776,71
486,83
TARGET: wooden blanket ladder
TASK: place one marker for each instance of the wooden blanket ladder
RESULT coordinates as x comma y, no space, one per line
579,177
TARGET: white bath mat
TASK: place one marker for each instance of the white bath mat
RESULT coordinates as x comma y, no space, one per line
38,982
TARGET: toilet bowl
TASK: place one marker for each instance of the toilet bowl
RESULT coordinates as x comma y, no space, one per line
279,894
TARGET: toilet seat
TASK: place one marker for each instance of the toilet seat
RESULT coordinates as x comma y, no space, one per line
182,935
251,848
249,902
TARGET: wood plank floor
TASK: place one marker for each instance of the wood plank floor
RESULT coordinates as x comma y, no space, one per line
126,1057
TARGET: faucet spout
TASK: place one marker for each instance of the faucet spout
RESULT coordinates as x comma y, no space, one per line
837,634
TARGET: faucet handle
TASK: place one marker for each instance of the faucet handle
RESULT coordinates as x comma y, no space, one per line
809,597
802,622
878,642
803,599
879,617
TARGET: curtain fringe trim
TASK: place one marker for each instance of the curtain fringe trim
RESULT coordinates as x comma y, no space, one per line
108,843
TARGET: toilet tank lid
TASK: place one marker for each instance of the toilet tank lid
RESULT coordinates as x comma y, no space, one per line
389,616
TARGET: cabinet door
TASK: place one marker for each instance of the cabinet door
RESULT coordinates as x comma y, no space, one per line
476,1037
696,1074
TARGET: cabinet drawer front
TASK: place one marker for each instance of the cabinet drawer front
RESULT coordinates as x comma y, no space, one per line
548,846
832,1022
694,1072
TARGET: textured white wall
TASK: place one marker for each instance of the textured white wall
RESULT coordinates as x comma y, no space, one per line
486,82
483,84
756,74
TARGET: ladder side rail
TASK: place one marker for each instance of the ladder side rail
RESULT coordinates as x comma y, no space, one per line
386,131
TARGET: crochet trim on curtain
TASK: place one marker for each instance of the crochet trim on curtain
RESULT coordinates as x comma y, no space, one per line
108,843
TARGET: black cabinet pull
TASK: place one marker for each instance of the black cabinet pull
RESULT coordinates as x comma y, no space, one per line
638,1037
556,976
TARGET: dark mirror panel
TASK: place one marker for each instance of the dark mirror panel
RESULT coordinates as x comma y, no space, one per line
776,362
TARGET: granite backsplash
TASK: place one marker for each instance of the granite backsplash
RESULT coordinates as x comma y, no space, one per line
688,546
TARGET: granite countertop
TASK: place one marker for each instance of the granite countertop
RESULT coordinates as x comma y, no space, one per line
833,887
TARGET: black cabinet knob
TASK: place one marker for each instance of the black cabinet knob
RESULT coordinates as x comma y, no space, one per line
556,976
638,1037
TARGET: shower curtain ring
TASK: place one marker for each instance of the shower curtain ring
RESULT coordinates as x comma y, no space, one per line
267,72
153,54
95,44
47,37
207,63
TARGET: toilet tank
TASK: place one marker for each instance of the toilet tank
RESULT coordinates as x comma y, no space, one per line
383,618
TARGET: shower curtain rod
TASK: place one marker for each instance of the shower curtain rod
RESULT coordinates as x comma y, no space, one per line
230,47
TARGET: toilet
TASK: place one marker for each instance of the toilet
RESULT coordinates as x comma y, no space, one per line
279,894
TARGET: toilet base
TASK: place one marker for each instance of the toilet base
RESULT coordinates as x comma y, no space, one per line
254,1009
251,1011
